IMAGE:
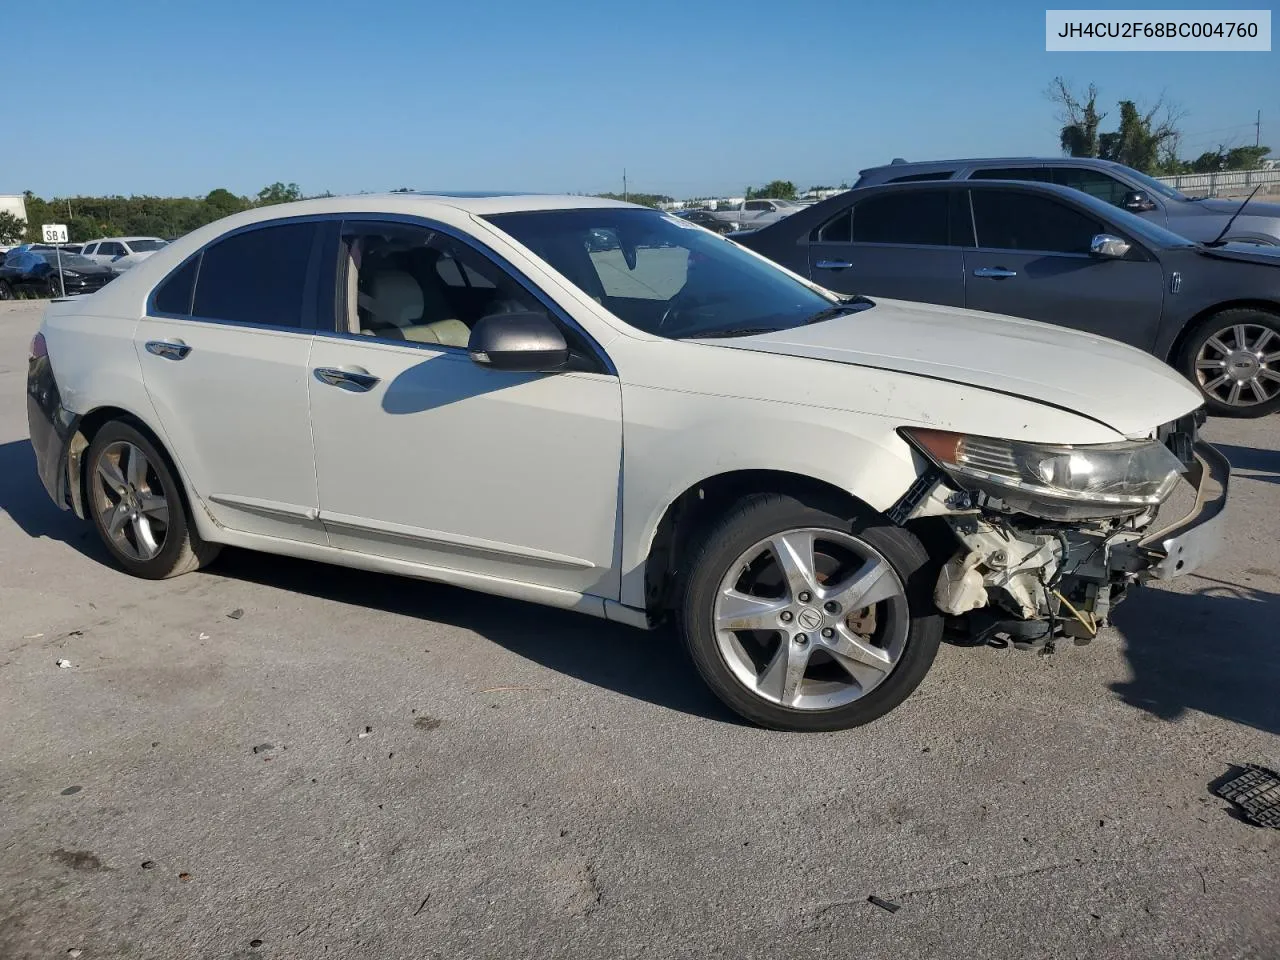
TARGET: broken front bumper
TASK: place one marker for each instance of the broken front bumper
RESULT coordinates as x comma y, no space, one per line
1185,545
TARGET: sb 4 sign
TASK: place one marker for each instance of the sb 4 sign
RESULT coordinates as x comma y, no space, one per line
54,232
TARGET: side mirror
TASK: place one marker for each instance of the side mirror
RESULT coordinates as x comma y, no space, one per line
1109,247
1137,201
525,342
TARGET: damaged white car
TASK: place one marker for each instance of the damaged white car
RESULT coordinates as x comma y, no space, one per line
599,407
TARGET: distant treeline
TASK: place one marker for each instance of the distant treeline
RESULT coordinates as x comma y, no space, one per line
90,217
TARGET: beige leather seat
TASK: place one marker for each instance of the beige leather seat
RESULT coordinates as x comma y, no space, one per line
397,305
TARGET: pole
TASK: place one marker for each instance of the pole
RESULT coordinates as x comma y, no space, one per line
62,284
1257,130
624,183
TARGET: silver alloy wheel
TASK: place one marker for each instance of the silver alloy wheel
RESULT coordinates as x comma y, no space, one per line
811,618
130,501
1235,365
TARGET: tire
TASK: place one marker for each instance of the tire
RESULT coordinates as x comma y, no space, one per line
153,501
740,665
55,288
6,291
1221,352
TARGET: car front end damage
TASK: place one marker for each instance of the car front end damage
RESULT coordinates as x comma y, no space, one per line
1047,539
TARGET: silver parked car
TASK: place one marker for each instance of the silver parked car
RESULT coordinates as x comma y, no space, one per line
1196,218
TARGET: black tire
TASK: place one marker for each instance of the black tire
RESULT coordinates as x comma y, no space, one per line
181,550
6,291
1220,326
763,515
55,287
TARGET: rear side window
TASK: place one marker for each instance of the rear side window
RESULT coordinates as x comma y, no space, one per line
1012,220
839,229
1034,174
257,277
1096,184
174,295
915,218
917,177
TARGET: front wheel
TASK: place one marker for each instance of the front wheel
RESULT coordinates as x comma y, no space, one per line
1234,358
55,287
6,291
802,619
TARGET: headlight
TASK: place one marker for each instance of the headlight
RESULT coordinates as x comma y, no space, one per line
1059,482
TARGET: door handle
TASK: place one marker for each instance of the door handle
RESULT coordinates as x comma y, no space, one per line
994,272
833,265
354,378
168,349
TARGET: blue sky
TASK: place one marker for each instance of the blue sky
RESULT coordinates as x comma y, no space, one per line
692,98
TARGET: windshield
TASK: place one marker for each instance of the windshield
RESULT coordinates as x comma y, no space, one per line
663,275
145,246
1155,186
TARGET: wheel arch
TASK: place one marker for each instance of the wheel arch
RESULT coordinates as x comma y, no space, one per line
1174,355
703,502
87,427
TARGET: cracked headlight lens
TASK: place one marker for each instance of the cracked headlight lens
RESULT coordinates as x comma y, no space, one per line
1056,481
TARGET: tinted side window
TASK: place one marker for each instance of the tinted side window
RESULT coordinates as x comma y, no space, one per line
1035,174
917,177
902,218
756,205
839,229
174,294
110,249
89,248
1011,220
1092,182
258,276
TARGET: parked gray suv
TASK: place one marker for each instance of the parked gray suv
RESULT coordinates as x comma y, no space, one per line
1196,218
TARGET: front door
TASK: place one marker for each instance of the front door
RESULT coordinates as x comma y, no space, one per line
224,360
898,244
1032,260
424,455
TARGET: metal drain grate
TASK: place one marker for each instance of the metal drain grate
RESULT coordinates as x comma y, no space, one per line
1256,792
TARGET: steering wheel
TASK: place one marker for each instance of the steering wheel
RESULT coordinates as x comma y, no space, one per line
682,301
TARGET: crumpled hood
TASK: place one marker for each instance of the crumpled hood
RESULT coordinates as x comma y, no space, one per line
1111,383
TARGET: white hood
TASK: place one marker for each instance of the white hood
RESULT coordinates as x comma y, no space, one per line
1128,390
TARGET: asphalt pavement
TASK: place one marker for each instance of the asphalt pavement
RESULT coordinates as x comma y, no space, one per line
275,758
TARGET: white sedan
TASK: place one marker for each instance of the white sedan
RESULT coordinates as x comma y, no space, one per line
600,407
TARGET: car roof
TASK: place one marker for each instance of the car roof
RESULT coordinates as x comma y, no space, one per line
817,213
904,165
118,239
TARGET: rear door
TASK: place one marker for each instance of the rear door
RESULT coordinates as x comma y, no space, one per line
1032,260
224,349
907,244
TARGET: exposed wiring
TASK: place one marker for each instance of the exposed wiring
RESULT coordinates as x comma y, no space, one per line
1086,619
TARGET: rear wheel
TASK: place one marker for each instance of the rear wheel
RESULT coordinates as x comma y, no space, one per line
802,619
138,507
6,291
1234,358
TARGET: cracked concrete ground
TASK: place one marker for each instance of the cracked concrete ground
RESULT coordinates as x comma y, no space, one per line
535,784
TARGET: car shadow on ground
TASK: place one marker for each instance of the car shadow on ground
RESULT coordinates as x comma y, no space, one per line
23,498
1252,463
647,665
1214,650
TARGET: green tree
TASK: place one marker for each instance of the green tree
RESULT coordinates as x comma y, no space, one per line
12,227
1229,158
1079,117
644,199
774,190
221,203
279,193
1145,140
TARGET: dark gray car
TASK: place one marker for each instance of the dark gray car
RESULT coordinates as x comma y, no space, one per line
1057,255
1196,218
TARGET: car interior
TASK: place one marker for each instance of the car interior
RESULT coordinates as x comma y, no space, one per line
405,284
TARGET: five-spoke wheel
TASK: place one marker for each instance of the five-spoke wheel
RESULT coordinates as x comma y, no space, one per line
802,618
